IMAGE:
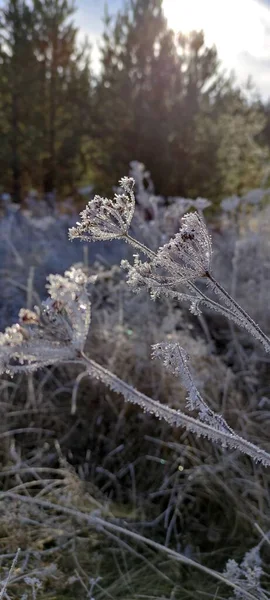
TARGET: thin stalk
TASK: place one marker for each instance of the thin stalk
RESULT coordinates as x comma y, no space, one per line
242,320
7,580
174,417
128,238
102,525
251,324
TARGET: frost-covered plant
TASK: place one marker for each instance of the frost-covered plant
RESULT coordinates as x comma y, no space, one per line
57,332
187,256
108,219
52,333
183,260
176,360
247,575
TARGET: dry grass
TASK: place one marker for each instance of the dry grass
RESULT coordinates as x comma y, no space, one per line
73,444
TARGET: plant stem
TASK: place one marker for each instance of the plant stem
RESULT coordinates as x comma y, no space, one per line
175,418
245,318
235,313
102,525
128,238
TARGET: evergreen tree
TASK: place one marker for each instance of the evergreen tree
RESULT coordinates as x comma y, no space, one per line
17,82
45,87
61,78
134,99
162,100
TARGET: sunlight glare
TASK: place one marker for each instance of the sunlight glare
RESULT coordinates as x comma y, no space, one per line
234,26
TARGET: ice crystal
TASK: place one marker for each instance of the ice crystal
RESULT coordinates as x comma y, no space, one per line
247,575
106,219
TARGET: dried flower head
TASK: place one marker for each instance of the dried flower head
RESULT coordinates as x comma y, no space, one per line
152,277
50,334
106,219
188,254
142,275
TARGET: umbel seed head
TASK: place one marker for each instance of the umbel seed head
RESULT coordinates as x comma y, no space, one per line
188,254
105,219
55,332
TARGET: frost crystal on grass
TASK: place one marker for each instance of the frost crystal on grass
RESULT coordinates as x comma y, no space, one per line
247,575
106,219
50,334
188,254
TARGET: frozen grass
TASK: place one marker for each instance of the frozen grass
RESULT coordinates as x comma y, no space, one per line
100,497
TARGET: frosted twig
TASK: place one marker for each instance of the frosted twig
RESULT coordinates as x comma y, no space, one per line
7,580
176,418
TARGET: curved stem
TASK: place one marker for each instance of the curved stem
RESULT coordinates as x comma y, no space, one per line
236,313
174,417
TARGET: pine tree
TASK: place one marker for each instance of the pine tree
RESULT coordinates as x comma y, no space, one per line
18,72
45,97
64,91
162,100
139,80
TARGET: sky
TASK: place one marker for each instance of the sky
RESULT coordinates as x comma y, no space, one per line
240,29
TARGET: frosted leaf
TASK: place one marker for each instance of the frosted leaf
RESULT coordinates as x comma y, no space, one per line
106,219
9,340
127,183
140,274
71,291
12,336
188,254
28,317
